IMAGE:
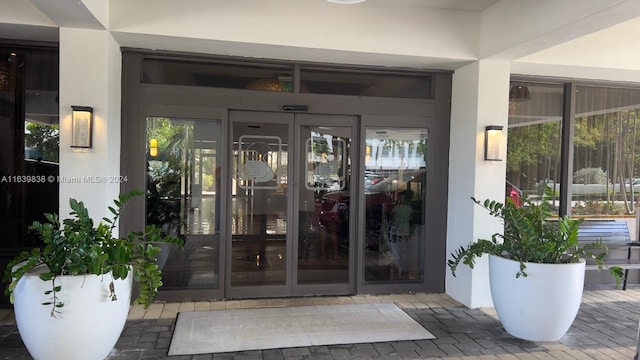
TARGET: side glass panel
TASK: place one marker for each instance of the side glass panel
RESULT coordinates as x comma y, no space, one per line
183,197
259,204
323,229
606,163
394,191
29,142
534,139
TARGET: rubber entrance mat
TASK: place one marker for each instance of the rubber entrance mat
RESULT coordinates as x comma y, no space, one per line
272,328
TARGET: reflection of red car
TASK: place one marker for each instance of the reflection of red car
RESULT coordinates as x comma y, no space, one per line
334,212
514,194
379,197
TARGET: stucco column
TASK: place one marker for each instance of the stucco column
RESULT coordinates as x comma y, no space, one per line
480,98
90,72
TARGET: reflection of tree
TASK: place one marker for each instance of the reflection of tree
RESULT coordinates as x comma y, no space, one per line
601,141
609,141
534,154
208,173
163,206
45,139
590,176
173,140
170,172
624,165
320,147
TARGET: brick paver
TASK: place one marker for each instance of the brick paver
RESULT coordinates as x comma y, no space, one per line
606,328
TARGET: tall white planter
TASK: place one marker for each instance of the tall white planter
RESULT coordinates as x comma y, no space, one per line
541,306
87,327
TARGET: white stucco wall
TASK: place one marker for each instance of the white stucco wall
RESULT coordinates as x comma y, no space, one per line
480,98
605,55
286,29
90,72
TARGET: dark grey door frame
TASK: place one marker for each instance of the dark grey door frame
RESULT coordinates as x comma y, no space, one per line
196,102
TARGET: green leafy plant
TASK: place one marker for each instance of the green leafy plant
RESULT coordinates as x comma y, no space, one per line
530,236
77,247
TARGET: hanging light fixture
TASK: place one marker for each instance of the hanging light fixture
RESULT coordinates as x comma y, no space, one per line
5,71
280,82
519,93
269,85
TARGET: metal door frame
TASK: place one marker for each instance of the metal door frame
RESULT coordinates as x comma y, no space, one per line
290,288
213,103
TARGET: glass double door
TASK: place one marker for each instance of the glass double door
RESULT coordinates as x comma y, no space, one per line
290,188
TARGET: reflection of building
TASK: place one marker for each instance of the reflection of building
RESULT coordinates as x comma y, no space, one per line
445,81
387,154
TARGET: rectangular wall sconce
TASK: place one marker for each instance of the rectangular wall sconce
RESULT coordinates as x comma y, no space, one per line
493,141
82,127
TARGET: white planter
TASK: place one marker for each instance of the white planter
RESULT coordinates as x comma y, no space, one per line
541,306
87,327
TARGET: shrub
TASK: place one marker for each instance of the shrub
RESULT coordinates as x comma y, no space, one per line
590,176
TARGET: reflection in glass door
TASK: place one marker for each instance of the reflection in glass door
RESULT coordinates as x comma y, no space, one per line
259,209
324,229
290,228
395,192
183,189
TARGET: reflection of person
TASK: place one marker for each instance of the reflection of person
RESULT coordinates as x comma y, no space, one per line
401,217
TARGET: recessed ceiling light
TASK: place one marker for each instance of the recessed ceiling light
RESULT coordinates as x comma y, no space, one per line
346,1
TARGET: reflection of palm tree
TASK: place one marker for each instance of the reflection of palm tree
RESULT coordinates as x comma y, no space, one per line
171,168
163,205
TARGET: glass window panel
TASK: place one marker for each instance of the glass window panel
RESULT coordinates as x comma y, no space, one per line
534,138
217,74
351,82
41,141
279,78
395,190
29,140
183,197
606,161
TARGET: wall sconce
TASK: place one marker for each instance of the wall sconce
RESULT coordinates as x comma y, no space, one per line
82,127
153,147
493,143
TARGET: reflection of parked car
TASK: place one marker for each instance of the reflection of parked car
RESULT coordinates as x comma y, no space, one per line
635,183
379,197
513,193
383,196
371,178
334,212
385,192
380,200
